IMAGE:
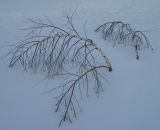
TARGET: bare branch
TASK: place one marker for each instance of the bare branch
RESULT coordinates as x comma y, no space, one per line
57,52
67,96
120,32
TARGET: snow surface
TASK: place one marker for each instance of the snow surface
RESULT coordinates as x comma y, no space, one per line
131,100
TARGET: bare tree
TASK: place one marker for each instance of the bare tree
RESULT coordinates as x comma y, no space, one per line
62,52
122,33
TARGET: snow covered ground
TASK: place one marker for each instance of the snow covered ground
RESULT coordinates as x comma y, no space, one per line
131,97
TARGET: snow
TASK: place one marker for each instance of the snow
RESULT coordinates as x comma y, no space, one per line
131,97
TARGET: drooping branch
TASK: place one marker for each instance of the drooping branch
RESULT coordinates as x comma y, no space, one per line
139,40
115,31
120,32
68,97
57,52
50,53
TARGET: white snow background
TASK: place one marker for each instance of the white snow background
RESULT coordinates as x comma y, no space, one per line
131,100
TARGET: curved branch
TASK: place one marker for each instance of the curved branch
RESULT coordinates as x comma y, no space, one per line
60,53
120,32
67,96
